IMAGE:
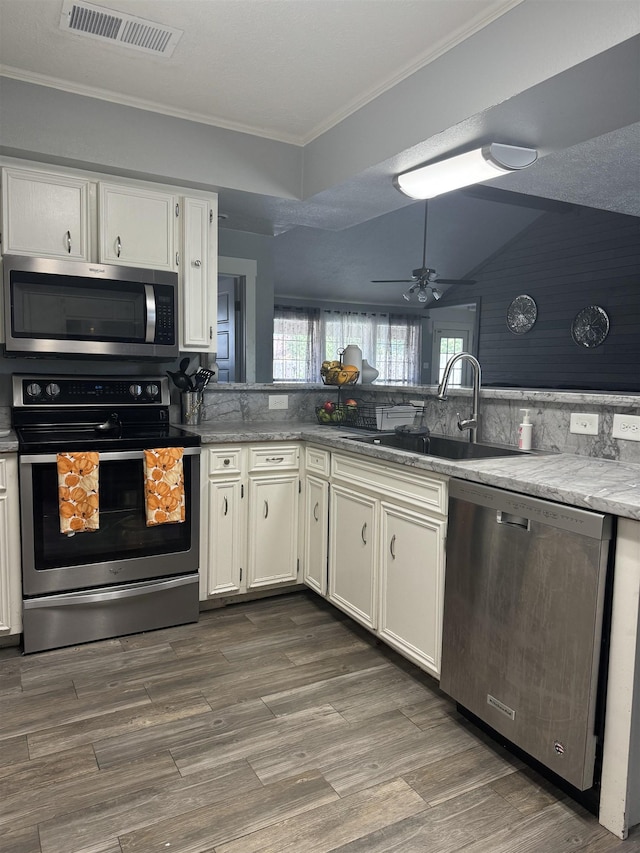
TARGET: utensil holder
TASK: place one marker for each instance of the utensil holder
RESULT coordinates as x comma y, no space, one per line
191,407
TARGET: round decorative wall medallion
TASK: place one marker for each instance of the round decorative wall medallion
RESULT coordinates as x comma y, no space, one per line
590,326
522,315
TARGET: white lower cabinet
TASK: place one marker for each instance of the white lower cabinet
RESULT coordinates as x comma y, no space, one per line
412,584
272,556
249,530
314,527
386,556
10,583
353,553
316,533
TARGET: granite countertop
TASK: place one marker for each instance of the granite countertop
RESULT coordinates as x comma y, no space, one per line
598,484
8,440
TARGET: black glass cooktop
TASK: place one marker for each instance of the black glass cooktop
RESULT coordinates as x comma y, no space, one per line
76,438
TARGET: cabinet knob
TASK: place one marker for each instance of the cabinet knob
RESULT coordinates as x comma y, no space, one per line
69,242
118,246
197,263
227,462
363,533
315,512
392,547
266,509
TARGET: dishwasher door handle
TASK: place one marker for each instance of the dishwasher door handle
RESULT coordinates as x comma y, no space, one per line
513,520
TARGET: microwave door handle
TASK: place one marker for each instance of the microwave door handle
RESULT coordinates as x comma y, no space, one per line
150,302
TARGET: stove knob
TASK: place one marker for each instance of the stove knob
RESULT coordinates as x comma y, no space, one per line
33,390
52,390
151,391
135,390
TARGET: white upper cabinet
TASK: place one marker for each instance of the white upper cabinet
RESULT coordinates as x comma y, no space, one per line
45,214
198,267
136,227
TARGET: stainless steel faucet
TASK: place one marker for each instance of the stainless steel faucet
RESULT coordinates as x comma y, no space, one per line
472,423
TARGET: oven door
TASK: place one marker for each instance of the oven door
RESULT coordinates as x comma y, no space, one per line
124,549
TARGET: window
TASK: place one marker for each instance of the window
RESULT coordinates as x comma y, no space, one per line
303,338
296,355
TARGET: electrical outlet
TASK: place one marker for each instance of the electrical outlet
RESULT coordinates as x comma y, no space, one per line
278,401
627,427
584,423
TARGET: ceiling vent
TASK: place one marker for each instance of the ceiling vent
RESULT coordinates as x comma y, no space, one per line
97,22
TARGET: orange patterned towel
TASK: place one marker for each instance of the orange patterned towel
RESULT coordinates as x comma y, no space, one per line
164,485
78,492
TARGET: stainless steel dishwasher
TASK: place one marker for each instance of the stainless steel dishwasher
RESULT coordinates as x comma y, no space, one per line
523,616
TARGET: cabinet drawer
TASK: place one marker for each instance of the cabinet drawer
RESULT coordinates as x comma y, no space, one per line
417,487
318,461
273,457
225,460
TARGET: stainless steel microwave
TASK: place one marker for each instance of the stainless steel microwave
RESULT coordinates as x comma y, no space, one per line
68,308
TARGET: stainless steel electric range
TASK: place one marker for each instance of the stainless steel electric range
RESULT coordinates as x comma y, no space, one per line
126,576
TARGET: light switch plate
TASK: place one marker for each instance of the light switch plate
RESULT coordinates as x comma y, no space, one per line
584,423
626,427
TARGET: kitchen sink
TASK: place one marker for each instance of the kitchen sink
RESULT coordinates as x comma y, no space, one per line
439,445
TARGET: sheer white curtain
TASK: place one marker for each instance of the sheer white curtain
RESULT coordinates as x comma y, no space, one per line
297,352
304,337
389,342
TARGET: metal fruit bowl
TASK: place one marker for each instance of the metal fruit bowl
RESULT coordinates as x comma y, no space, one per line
353,378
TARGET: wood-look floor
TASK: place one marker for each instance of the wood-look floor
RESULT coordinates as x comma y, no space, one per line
267,727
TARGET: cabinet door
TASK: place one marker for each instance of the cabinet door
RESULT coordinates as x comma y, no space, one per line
136,227
412,584
225,536
353,554
316,534
45,215
10,591
198,274
272,529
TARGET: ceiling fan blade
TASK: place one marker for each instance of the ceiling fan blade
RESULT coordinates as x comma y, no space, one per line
454,281
393,281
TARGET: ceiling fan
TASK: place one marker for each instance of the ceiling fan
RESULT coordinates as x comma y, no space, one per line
424,279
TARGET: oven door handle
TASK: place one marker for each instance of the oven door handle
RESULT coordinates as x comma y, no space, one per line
107,456
118,592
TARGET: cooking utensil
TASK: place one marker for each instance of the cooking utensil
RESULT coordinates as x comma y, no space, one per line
202,377
181,380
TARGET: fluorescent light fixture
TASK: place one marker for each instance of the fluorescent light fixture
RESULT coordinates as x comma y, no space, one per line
482,164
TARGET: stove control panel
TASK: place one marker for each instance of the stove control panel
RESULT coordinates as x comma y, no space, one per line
89,391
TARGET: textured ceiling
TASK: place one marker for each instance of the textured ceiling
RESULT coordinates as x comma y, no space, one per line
291,69
284,69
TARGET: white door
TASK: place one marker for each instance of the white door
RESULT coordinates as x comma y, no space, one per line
272,529
316,532
136,227
226,536
198,282
412,580
448,341
352,554
45,215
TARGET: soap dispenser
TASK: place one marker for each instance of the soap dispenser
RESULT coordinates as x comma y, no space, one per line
524,431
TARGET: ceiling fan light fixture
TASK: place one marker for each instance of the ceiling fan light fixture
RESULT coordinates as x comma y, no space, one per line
436,293
407,296
422,295
472,167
